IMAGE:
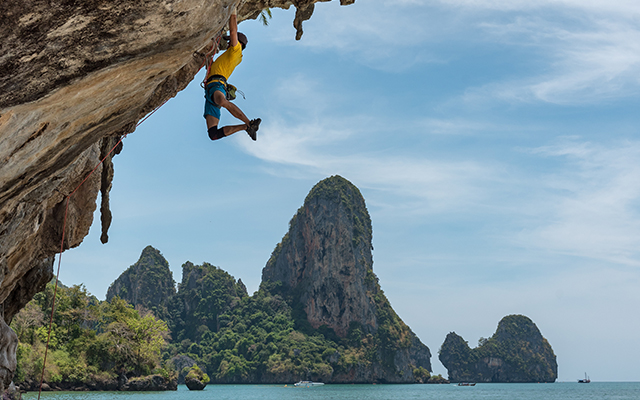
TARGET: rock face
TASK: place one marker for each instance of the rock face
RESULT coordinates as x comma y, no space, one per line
326,257
194,384
324,264
147,283
516,352
151,383
8,346
196,379
76,76
204,294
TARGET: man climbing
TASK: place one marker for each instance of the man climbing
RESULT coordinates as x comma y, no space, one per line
216,87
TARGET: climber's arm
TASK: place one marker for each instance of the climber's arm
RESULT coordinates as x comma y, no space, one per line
233,28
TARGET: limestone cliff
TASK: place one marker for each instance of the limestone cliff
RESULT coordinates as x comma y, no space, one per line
325,266
204,294
75,77
148,283
326,258
517,352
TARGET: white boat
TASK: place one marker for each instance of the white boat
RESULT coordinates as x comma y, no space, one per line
308,384
585,380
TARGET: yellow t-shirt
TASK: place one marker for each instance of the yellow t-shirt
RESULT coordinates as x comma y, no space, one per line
227,62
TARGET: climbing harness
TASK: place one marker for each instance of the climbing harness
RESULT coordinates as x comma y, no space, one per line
229,88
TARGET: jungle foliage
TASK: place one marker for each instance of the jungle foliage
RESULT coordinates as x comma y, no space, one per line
263,336
232,336
89,340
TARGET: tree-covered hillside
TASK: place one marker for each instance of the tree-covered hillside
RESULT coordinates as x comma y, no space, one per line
93,344
147,283
262,339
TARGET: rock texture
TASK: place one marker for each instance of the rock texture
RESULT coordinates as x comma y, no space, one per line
148,283
182,364
325,266
151,383
104,383
196,379
76,76
326,256
8,346
204,294
517,352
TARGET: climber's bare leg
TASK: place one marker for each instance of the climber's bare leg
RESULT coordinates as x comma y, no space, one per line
222,101
228,130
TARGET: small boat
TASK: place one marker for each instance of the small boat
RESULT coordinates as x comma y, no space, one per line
308,384
466,384
585,380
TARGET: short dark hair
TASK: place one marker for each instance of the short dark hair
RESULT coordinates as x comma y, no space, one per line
242,38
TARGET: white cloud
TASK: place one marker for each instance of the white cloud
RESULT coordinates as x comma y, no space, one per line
622,7
587,50
593,203
428,184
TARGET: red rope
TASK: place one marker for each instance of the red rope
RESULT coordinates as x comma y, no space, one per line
64,228
208,59
208,56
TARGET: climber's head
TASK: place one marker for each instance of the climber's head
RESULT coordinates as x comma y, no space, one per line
242,38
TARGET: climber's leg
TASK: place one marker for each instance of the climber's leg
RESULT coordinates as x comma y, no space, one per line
221,100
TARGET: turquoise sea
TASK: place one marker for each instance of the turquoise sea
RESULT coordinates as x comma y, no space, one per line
506,391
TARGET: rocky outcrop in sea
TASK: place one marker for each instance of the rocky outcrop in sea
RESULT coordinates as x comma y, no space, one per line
517,352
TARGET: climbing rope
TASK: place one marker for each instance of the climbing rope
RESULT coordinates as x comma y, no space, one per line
64,228
208,58
208,61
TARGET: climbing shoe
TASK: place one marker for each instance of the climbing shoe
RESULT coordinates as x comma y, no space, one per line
252,130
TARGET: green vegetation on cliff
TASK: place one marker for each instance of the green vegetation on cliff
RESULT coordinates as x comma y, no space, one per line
341,191
204,295
516,352
147,283
261,338
91,341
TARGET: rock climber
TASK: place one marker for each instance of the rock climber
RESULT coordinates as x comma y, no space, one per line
216,87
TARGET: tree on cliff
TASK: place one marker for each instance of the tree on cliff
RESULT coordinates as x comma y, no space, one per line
205,293
89,339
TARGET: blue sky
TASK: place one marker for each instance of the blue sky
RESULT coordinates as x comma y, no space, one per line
495,143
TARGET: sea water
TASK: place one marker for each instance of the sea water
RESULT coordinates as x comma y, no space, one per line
493,391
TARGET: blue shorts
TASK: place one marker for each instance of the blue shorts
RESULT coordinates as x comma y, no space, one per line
210,107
